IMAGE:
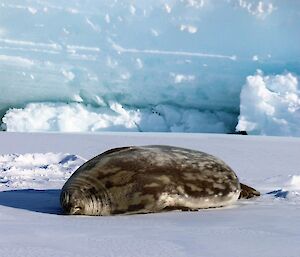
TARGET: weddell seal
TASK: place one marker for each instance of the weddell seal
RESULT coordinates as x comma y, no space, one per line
146,179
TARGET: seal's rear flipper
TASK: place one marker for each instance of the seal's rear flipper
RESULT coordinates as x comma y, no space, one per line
248,192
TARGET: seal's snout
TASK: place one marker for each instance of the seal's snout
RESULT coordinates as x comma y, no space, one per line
75,210
70,203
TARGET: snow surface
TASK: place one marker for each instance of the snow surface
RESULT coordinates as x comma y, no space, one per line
171,65
38,165
34,170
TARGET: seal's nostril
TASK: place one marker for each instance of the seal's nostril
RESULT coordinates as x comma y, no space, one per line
76,210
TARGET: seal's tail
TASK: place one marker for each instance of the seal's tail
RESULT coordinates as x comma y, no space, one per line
248,192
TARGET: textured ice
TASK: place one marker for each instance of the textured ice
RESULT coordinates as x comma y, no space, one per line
76,117
190,56
270,105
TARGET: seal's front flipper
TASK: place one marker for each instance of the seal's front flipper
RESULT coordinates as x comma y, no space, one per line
248,192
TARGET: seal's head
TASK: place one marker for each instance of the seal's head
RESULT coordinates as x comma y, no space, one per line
73,202
78,201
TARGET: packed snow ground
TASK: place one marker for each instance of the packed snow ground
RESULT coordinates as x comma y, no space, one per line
33,167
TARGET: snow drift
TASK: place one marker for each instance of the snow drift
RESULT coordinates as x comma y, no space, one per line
270,105
76,117
33,170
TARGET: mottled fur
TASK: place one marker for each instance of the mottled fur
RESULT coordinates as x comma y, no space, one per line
147,179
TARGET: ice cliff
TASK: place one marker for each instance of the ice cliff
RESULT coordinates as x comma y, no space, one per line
176,65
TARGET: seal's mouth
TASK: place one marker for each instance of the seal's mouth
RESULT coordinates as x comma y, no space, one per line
77,210
69,205
70,209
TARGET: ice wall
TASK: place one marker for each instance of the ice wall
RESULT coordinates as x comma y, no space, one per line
176,65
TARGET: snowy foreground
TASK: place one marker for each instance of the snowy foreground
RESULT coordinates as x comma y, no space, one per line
33,167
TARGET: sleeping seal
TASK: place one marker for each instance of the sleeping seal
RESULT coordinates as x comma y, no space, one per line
147,179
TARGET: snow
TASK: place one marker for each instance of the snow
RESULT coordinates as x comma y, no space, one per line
191,56
259,9
270,105
76,117
36,165
34,170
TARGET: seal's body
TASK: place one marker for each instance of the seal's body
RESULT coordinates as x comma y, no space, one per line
149,179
